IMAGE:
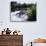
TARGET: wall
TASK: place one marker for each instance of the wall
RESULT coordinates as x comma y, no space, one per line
30,30
11,40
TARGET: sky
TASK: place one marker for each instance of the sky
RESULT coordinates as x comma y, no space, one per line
30,30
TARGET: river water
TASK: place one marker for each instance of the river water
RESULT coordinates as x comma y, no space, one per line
19,16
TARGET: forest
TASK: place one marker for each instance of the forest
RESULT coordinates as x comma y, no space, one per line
30,9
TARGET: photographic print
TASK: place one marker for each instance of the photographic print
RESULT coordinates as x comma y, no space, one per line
22,12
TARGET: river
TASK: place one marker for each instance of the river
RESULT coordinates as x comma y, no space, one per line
19,16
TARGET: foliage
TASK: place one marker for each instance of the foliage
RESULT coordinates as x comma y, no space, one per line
30,9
